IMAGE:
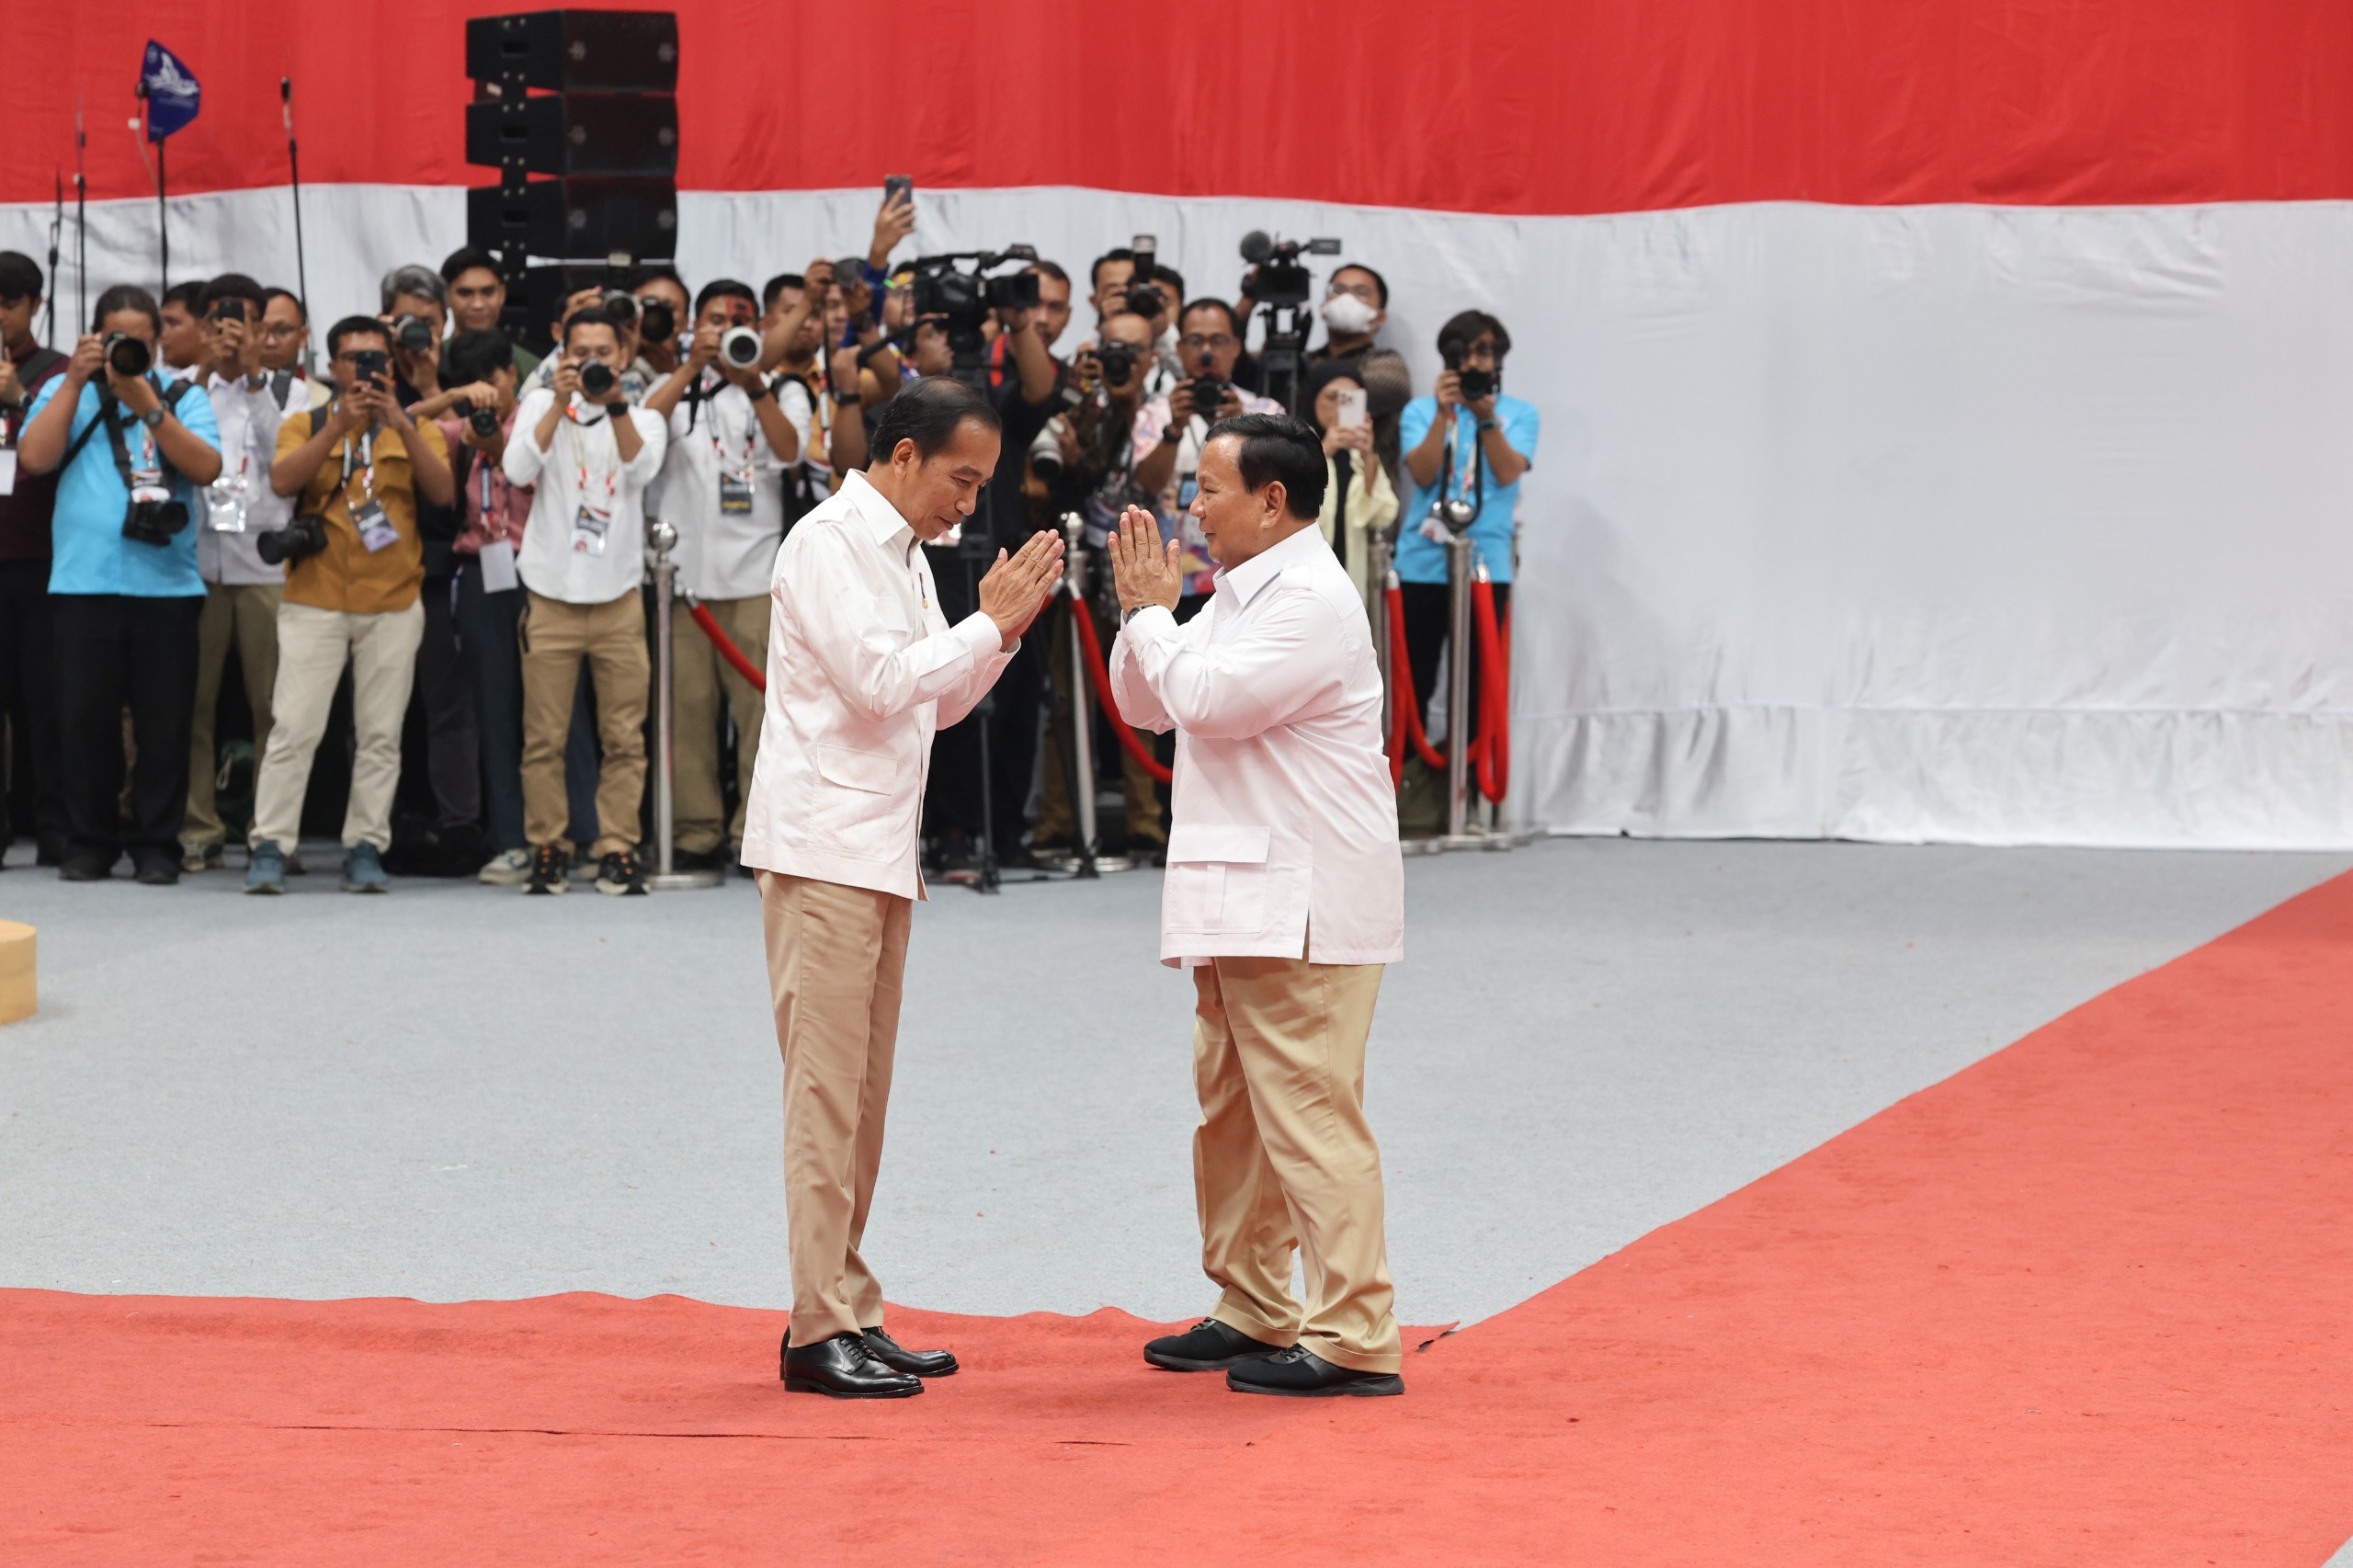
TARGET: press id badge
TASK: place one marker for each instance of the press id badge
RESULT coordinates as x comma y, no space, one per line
735,495
376,530
589,528
147,485
498,567
225,506
7,471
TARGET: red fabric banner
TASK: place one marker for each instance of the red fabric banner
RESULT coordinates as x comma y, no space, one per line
1524,106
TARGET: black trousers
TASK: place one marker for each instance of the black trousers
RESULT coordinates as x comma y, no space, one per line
445,691
1428,621
1014,707
114,651
28,698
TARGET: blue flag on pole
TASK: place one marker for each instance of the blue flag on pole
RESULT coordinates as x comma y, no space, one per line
171,91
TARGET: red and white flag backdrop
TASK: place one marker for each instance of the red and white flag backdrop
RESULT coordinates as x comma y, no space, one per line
1946,402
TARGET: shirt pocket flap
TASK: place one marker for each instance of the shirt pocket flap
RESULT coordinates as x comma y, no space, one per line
873,771
1220,841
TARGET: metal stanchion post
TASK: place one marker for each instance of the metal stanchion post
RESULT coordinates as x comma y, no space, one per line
666,877
1458,694
1082,729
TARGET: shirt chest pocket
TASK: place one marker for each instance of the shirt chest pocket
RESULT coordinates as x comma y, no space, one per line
1217,878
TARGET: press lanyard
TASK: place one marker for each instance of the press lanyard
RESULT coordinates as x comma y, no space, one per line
591,523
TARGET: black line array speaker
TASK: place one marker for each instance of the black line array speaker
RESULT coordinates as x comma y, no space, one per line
589,99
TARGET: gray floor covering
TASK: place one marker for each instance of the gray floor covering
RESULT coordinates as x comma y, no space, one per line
455,1092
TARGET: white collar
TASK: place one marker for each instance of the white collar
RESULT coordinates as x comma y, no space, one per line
1263,568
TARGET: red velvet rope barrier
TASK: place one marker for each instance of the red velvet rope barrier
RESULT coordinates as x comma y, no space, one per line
726,645
1493,748
1404,713
1099,675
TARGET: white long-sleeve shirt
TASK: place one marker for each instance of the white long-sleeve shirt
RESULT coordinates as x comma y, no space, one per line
583,464
724,554
1284,839
248,418
863,669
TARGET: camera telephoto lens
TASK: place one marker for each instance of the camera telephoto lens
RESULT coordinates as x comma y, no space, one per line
128,355
1118,360
298,541
622,305
656,321
1476,385
597,377
485,421
413,332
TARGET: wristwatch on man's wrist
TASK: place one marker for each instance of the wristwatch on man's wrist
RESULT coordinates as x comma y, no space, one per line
153,417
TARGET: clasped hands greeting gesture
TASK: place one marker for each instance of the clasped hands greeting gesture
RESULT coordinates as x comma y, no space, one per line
1017,586
1142,569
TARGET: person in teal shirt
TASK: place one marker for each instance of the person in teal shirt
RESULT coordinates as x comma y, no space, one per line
1460,450
124,588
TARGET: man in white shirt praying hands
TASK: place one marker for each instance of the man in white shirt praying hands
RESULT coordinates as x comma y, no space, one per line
1285,896
863,668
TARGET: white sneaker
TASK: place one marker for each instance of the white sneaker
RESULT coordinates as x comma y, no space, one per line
507,869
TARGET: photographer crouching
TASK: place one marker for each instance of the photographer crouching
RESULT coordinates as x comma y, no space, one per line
356,469
732,443
125,591
588,456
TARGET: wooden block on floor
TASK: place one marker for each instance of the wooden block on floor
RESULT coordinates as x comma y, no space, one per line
18,996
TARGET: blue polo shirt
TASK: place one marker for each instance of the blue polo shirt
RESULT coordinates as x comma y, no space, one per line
90,555
1422,559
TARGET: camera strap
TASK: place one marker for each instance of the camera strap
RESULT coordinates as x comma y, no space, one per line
151,476
1465,476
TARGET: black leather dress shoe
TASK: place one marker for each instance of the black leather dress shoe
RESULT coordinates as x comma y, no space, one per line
1207,1346
85,866
840,1367
919,1363
1302,1374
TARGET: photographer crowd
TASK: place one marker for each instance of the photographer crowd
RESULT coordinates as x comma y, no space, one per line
407,551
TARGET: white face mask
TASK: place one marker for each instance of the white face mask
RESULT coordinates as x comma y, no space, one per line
1346,313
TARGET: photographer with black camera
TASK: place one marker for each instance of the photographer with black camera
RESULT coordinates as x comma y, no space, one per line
953,310
240,589
734,435
1170,430
662,316
415,310
589,457
1092,472
357,469
129,452
1467,446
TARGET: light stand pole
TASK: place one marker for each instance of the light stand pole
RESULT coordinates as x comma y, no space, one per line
663,538
1082,727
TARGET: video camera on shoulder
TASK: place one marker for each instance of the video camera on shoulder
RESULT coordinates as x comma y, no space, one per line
961,299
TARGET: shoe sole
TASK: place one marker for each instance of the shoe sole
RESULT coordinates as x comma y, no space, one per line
547,889
619,889
1376,1389
270,890
805,1385
1185,1364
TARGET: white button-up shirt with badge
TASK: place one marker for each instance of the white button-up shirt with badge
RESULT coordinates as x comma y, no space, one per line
239,506
863,669
1283,839
723,489
586,541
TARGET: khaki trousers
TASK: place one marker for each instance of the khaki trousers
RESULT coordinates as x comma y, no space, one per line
700,676
556,636
1284,1159
837,958
244,613
312,645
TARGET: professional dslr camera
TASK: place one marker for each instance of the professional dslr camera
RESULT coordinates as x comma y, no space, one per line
414,334
128,355
297,541
960,299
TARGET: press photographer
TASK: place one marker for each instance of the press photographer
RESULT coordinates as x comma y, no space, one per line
1467,446
1169,432
415,310
27,644
589,457
954,307
1088,462
357,470
733,441
241,590
129,452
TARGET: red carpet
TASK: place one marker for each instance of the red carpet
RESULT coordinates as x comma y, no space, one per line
2085,1303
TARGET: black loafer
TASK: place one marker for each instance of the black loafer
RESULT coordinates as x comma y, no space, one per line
915,1363
155,869
1207,1346
1300,1373
841,1367
85,866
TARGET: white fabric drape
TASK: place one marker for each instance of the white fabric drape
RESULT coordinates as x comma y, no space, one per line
1981,524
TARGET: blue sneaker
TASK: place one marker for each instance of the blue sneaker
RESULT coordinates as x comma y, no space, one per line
266,872
363,870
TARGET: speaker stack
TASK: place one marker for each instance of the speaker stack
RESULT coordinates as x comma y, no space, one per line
589,100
